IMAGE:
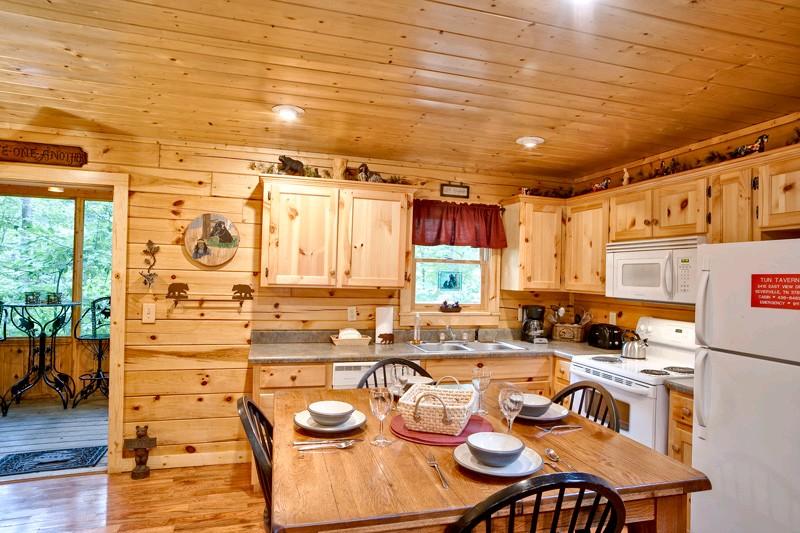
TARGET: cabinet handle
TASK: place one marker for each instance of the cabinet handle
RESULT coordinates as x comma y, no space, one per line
686,411
655,222
646,222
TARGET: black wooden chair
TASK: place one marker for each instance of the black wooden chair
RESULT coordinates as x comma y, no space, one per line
379,376
94,330
605,513
594,402
2,322
259,432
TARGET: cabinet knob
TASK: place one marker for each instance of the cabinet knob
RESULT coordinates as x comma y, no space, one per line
293,377
479,365
346,272
646,222
655,222
686,411
333,273
676,449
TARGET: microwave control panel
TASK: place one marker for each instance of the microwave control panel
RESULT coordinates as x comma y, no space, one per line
685,268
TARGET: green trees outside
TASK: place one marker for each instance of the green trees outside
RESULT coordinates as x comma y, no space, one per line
36,248
451,273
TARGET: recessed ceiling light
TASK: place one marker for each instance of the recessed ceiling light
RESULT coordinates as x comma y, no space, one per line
530,142
55,189
289,113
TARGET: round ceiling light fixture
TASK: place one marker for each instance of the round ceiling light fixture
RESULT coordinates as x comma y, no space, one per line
530,142
287,112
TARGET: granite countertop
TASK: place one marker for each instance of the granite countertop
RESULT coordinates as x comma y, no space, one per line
684,385
320,352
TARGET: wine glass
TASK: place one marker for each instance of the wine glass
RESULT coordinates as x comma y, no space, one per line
511,400
400,380
380,402
481,377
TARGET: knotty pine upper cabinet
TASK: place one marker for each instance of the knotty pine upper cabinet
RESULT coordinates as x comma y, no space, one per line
534,228
779,195
328,233
299,227
584,245
658,211
731,206
372,238
630,215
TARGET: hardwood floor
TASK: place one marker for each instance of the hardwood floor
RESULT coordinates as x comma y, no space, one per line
42,424
212,499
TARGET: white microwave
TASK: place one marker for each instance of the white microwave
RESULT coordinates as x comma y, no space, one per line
657,270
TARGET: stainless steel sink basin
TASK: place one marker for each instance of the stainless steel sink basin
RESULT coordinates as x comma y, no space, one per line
455,346
441,347
493,347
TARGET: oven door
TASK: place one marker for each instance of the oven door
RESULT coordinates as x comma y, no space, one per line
637,404
645,275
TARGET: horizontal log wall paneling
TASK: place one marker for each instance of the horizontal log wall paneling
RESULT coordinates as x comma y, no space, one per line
185,372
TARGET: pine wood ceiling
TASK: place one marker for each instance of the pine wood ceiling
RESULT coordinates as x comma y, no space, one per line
450,82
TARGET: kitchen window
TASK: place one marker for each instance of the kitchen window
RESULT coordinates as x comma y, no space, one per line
457,274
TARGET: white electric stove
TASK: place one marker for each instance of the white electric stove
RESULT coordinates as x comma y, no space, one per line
638,384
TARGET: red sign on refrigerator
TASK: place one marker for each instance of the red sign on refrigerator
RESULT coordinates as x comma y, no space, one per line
777,291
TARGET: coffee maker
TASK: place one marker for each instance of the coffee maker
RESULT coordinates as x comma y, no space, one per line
532,322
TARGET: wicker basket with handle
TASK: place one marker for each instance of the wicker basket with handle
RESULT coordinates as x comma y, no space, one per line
434,409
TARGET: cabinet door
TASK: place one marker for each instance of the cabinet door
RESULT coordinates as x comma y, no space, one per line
372,238
779,195
540,246
584,246
680,443
731,206
679,209
631,215
301,246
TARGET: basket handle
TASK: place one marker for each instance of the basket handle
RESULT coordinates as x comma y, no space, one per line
445,417
447,377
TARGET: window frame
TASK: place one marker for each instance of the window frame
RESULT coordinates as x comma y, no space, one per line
487,313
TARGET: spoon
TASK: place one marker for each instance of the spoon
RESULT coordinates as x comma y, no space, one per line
553,456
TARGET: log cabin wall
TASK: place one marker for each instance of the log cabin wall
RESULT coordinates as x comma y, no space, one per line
185,372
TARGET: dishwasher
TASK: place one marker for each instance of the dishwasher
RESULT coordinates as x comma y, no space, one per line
346,375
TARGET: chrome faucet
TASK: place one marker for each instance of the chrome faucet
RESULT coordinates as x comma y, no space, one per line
450,332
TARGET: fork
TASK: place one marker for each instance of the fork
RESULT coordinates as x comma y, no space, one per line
339,445
432,462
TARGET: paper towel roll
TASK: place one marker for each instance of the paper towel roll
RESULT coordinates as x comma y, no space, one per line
384,321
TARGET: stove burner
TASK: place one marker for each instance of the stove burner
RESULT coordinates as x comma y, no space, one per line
607,359
680,369
654,372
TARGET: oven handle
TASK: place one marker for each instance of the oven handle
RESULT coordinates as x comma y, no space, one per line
610,383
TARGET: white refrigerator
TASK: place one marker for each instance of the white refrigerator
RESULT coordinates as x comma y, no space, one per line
746,435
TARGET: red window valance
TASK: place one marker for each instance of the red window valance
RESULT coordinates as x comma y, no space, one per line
476,225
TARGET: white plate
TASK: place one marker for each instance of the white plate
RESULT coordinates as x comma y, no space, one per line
528,463
304,420
554,412
413,380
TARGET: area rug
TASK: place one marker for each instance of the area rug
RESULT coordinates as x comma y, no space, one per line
29,462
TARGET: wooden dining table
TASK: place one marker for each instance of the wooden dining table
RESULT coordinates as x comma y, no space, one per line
368,489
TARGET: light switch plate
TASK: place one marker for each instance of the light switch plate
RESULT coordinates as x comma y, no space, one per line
148,313
612,317
352,314
519,313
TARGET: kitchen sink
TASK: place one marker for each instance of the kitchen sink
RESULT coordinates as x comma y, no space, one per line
455,346
442,347
494,347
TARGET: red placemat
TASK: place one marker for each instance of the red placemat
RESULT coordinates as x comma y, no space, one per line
476,424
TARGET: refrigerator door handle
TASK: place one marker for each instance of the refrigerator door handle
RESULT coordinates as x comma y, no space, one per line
700,309
700,392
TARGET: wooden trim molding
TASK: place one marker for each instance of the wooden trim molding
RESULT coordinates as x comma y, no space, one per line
20,174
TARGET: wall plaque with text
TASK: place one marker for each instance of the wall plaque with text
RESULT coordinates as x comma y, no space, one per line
42,154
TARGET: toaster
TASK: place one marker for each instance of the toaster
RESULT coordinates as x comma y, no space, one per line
606,336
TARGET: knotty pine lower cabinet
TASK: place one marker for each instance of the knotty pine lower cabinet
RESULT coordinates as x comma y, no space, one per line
533,370
681,413
269,379
560,374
